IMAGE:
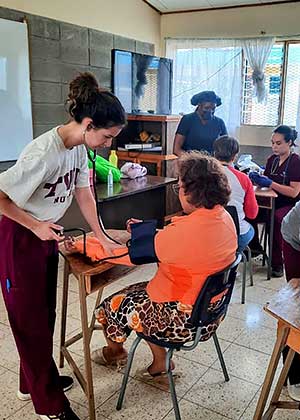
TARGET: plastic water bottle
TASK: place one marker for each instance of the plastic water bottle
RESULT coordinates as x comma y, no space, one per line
110,179
113,158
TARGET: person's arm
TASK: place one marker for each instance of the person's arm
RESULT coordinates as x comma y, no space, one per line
87,205
17,185
291,190
250,202
223,129
178,143
43,230
181,134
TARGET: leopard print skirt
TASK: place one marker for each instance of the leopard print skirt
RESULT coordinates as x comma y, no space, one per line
131,309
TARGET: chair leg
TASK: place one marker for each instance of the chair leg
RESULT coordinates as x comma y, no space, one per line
171,384
244,277
127,371
265,246
221,358
250,265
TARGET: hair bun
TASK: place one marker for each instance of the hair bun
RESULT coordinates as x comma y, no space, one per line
83,87
294,134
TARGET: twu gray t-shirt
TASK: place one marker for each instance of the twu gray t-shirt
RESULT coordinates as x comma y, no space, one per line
290,227
43,180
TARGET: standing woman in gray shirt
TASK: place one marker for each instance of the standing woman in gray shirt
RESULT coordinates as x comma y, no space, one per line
290,230
34,194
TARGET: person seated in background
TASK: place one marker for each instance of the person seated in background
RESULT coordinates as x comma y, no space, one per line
290,230
198,130
188,250
282,174
242,195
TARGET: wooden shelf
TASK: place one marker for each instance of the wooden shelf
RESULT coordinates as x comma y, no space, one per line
153,117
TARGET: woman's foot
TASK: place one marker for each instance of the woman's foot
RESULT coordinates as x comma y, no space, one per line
159,367
294,391
277,271
106,357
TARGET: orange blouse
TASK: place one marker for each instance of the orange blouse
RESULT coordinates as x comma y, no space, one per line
190,249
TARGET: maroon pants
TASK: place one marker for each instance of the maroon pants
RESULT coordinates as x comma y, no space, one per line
292,268
264,216
28,275
277,259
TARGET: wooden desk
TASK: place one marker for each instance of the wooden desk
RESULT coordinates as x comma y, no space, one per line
91,277
139,157
142,198
285,307
266,199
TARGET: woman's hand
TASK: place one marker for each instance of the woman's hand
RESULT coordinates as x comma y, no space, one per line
109,246
48,231
130,222
70,244
260,180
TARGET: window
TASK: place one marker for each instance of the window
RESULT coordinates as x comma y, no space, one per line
282,81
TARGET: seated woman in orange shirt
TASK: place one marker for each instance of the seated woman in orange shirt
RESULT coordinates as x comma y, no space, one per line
188,250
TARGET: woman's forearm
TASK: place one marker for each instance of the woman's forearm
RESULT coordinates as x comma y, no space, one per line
10,209
287,190
87,205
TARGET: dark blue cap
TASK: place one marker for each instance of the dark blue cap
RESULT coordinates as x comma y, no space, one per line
206,96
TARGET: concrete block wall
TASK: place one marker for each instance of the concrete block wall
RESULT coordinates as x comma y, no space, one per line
58,51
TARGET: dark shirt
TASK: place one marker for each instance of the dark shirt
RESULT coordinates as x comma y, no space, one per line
200,136
287,172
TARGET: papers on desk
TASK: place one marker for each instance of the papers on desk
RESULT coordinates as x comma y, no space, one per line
138,149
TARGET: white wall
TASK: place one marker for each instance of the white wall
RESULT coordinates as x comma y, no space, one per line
278,20
282,19
129,18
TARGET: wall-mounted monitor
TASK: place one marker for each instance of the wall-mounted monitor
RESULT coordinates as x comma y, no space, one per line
143,83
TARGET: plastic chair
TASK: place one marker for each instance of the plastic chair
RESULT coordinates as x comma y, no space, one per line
247,262
209,310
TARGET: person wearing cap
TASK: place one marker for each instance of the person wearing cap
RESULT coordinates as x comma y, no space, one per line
199,130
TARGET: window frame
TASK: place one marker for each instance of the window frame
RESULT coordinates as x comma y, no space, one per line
286,44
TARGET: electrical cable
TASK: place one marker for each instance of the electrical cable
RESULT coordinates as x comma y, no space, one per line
208,78
93,160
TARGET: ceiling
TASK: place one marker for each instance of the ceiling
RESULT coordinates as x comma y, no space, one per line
171,6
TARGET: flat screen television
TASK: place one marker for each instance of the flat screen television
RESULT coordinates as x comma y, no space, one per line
143,83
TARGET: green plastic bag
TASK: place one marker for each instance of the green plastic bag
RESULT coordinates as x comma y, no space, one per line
102,168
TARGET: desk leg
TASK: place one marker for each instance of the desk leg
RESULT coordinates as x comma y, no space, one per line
64,307
282,377
93,320
158,169
89,390
271,234
279,345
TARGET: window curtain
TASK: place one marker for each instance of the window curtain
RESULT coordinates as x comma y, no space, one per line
257,51
207,65
297,147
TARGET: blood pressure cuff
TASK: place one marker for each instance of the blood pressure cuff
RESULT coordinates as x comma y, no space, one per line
141,246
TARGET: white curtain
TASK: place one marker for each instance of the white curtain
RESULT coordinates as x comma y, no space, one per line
297,148
207,65
257,51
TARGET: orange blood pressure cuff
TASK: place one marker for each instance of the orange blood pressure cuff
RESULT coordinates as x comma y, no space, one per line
95,251
141,248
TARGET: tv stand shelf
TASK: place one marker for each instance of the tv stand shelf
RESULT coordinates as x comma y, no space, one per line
153,117
138,157
164,160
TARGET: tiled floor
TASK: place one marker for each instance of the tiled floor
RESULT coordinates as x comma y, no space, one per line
246,337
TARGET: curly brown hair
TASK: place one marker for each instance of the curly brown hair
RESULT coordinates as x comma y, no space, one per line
203,179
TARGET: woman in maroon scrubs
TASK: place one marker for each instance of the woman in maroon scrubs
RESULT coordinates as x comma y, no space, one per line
282,174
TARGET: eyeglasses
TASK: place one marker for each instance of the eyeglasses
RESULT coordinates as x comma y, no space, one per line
176,188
